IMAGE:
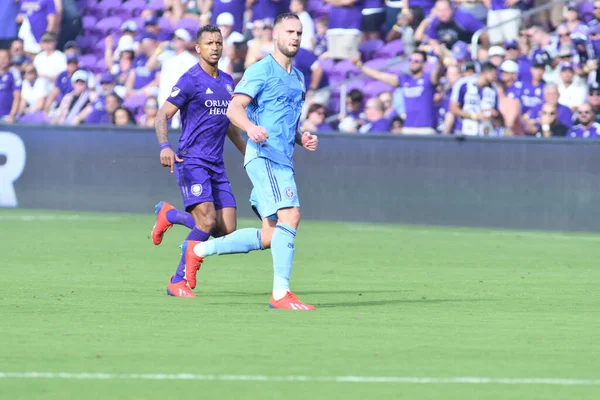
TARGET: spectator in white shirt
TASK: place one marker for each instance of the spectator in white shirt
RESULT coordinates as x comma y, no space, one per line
298,7
572,93
49,63
34,91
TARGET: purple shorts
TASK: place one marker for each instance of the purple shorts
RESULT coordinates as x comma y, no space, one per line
200,184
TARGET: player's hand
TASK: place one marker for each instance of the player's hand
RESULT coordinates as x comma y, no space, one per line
258,134
309,141
168,158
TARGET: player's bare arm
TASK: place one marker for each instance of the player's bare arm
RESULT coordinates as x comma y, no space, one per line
306,140
235,135
236,112
167,155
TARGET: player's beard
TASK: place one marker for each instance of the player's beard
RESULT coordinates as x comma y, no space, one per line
287,52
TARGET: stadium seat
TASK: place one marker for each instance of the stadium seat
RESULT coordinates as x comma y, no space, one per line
88,23
189,24
586,11
391,50
368,48
135,103
109,25
134,7
374,88
110,7
88,61
156,5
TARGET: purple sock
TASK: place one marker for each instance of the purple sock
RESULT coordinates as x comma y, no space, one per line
197,235
181,218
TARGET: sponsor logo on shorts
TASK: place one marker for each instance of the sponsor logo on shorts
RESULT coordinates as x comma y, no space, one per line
289,193
196,190
175,91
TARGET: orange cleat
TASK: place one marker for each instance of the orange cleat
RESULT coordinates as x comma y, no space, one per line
290,302
179,289
192,261
162,223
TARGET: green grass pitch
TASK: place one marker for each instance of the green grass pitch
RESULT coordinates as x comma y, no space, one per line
86,293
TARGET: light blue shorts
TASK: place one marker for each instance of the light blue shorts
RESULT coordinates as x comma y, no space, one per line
274,187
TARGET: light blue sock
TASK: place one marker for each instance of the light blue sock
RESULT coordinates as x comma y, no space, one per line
240,241
282,250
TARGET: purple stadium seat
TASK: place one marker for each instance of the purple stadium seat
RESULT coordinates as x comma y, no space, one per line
101,65
87,60
368,48
134,7
189,24
342,70
88,23
110,7
390,50
109,25
374,88
156,5
86,43
135,103
37,117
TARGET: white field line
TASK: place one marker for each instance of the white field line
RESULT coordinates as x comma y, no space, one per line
468,380
345,225
58,217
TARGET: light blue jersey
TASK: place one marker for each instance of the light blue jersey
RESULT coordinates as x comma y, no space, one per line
277,100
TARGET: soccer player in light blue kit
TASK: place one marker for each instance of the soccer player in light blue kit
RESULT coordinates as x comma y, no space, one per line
267,104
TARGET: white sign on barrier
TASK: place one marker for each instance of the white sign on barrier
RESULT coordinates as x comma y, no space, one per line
13,149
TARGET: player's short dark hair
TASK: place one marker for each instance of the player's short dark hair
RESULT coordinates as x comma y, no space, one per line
488,66
283,16
209,29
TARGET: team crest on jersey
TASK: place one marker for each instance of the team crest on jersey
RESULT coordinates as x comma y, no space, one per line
196,190
229,88
289,192
175,91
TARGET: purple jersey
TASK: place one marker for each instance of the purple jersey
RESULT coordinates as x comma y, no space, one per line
143,75
265,9
37,12
8,14
98,114
499,5
8,85
531,95
304,61
64,85
373,4
426,5
460,28
581,131
418,93
346,17
565,115
234,7
514,91
203,102
380,126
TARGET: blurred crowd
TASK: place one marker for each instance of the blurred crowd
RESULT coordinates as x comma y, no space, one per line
410,64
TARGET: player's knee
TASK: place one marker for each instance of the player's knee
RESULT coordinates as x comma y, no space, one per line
290,216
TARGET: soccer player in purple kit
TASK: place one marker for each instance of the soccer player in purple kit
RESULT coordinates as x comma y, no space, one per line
418,88
202,95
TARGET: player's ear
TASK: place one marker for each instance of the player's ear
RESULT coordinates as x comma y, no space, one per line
197,47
